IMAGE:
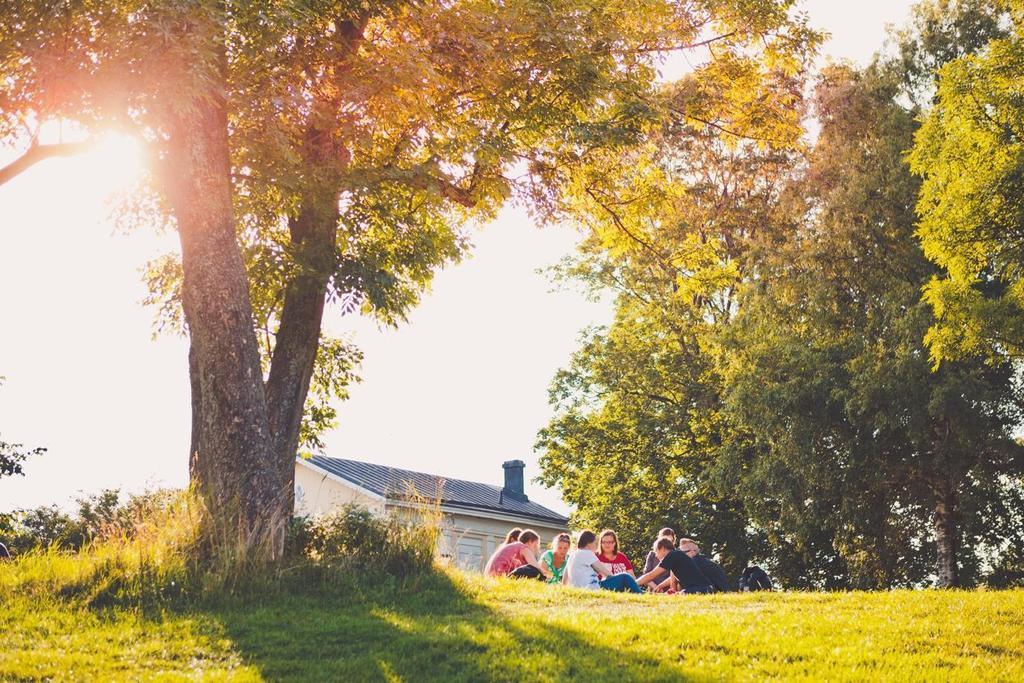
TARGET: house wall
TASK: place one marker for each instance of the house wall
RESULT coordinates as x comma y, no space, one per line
467,539
317,493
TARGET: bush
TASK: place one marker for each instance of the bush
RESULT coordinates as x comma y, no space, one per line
354,540
148,553
39,528
100,517
154,562
298,538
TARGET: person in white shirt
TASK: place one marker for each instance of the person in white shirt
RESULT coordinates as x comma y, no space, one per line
584,570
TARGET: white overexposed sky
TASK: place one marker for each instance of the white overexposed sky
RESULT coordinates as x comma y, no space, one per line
457,390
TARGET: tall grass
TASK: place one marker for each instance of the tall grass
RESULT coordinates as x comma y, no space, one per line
353,543
163,558
150,562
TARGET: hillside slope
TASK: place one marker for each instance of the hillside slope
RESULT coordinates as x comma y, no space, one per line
453,627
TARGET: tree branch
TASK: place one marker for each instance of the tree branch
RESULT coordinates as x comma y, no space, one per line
723,129
674,48
445,188
621,225
650,395
36,153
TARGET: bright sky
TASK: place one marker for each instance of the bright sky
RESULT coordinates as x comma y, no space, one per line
456,391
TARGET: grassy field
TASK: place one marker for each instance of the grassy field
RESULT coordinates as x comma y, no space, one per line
452,627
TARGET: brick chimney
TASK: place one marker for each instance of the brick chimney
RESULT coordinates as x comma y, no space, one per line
514,480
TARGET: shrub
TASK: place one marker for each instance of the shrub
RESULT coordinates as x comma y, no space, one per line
152,551
354,540
154,562
97,514
300,534
41,527
100,516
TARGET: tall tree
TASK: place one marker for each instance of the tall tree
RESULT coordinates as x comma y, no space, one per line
307,149
970,155
906,458
765,371
862,444
639,423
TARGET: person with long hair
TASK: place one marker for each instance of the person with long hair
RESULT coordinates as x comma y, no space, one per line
513,535
584,570
609,553
557,557
518,559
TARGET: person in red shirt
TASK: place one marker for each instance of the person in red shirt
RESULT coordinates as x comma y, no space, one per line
518,559
610,555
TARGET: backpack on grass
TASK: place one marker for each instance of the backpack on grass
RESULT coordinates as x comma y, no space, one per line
755,579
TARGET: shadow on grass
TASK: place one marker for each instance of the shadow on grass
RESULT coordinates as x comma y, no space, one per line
432,631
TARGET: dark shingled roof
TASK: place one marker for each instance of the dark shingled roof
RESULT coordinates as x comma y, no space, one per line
391,482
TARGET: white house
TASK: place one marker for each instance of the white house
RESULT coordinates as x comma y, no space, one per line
476,516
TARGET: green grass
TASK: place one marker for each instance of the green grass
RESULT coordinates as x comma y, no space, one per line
453,627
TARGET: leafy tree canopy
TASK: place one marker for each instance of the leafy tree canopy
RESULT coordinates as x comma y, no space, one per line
764,383
394,122
970,155
638,426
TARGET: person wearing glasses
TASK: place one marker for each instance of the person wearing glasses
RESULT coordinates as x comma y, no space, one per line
708,567
608,552
584,570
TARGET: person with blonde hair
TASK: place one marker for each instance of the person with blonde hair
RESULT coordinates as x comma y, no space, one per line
518,559
557,557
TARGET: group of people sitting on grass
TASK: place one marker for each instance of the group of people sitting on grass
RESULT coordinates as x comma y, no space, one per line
597,562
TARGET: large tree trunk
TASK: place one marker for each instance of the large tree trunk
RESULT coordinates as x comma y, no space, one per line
298,337
244,435
232,462
947,534
313,235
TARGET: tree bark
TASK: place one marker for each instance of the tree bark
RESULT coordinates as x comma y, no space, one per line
298,337
197,409
231,462
313,236
947,534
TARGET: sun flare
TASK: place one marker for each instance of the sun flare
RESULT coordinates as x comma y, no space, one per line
114,163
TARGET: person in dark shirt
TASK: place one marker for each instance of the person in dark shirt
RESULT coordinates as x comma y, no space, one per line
681,567
652,559
708,567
